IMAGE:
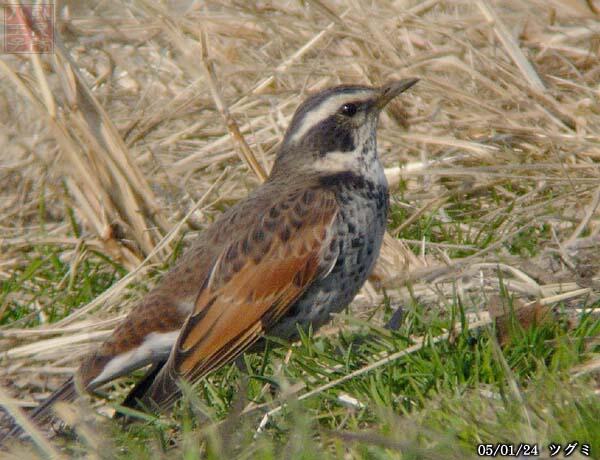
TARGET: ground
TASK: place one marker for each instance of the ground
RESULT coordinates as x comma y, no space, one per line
149,119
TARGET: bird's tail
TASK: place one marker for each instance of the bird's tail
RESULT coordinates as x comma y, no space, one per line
137,394
43,413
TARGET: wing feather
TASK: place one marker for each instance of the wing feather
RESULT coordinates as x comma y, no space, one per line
250,291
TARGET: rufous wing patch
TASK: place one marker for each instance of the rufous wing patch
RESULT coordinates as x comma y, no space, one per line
232,312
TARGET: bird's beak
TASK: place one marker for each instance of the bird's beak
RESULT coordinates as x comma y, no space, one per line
390,90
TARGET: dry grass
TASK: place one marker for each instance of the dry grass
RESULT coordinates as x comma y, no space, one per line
149,120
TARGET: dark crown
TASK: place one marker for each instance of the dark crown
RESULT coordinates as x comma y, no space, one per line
334,120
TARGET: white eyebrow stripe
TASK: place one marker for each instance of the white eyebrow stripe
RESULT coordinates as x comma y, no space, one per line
327,108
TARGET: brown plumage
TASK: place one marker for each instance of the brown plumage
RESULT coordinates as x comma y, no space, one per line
253,282
294,251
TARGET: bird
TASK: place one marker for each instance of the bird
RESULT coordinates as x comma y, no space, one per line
297,249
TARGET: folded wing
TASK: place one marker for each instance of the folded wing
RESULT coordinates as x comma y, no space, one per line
253,283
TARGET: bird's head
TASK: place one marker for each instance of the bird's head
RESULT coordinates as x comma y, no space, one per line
334,130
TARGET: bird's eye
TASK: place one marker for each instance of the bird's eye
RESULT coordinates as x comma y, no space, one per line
349,110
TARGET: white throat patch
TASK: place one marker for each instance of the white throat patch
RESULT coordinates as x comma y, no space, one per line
338,162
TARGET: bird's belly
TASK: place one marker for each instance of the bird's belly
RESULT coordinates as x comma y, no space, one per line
359,235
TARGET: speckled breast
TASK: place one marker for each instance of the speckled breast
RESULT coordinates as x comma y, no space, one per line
358,235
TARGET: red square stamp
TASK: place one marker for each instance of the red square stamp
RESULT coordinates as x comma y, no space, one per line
29,28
